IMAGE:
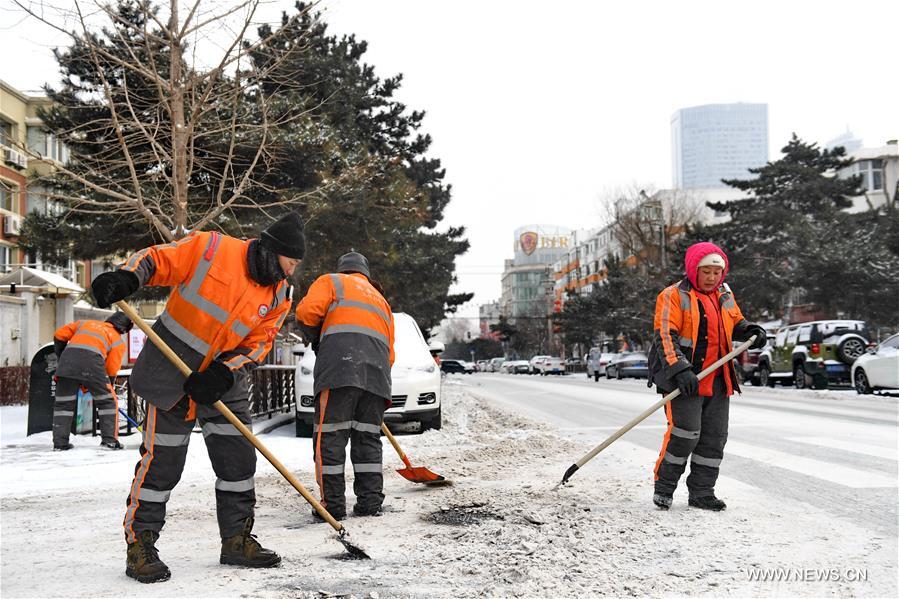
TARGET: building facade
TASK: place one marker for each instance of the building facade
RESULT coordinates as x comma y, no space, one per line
488,314
526,279
717,141
879,170
27,152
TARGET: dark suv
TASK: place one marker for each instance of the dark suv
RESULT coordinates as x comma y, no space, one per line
452,366
813,353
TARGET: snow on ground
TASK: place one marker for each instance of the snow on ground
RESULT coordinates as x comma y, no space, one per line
60,532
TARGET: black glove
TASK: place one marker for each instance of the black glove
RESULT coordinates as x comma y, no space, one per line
111,287
761,337
59,347
208,386
687,382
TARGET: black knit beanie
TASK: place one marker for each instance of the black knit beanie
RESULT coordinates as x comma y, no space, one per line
121,322
285,236
353,262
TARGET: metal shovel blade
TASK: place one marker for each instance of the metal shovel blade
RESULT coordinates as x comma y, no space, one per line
355,551
420,474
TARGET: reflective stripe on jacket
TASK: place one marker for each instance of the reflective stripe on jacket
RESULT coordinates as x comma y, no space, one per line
93,346
353,326
215,309
677,325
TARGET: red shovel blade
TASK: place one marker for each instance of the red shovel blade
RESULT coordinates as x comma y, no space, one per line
420,474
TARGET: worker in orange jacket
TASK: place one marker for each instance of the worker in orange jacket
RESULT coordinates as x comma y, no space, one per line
229,300
350,326
696,322
90,354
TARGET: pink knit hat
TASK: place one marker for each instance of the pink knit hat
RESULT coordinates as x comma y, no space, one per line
696,253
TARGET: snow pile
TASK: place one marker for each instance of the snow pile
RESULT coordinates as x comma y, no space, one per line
516,536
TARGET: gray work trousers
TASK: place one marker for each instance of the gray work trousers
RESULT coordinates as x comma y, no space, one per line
697,430
66,403
349,414
163,453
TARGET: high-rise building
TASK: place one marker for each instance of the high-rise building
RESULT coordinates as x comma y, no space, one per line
717,141
526,281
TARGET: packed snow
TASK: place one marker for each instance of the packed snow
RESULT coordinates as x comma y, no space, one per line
513,536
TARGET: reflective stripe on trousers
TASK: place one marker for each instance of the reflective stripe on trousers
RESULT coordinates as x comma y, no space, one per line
164,452
349,415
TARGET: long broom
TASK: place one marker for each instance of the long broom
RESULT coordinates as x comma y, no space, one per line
342,534
646,413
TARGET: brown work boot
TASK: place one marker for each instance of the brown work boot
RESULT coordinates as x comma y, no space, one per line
244,550
143,563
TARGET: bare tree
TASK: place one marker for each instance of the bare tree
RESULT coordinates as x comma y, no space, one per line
180,130
645,222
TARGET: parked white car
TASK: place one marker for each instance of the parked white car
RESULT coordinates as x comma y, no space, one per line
551,365
597,360
878,369
416,381
535,364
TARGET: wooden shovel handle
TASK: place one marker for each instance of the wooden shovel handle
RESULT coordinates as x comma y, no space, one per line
227,413
395,444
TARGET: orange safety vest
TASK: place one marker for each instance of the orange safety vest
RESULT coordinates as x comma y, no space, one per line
677,318
95,336
347,303
215,306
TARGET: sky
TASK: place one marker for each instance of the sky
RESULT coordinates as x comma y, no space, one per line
538,111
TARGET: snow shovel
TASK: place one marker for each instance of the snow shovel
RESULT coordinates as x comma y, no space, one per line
354,550
645,414
412,473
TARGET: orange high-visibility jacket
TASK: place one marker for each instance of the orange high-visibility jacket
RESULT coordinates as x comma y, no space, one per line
216,309
94,350
352,325
677,331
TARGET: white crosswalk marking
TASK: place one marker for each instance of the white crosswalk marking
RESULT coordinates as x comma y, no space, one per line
835,473
863,448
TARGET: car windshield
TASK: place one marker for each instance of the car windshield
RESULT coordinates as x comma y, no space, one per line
409,345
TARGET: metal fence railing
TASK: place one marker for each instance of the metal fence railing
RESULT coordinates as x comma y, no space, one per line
272,390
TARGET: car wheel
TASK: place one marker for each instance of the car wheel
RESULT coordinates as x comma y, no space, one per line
618,375
862,385
850,349
798,377
435,423
765,379
304,429
608,374
595,375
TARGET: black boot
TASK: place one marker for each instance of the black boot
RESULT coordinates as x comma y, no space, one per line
143,563
64,447
709,502
112,444
662,500
366,510
244,550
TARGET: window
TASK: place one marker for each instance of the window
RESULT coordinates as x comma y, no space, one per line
781,336
891,343
805,333
7,133
7,196
4,258
792,334
876,175
36,139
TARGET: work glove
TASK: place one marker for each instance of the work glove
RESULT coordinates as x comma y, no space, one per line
59,347
208,386
687,382
110,287
761,337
